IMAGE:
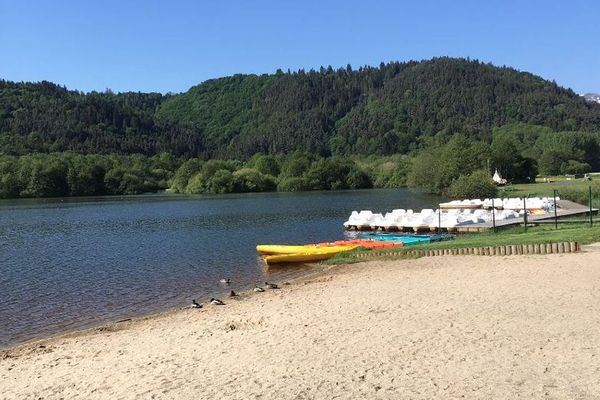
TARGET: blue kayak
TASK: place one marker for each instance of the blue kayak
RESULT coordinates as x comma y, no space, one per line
407,239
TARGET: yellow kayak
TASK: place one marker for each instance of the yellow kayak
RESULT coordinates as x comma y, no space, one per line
289,249
316,254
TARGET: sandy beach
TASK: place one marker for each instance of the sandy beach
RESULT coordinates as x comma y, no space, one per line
441,327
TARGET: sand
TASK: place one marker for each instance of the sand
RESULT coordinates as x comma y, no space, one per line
443,327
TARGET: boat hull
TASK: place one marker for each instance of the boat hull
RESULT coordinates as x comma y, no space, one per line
274,249
298,258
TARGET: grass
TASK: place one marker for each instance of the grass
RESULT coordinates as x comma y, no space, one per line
542,188
581,233
576,190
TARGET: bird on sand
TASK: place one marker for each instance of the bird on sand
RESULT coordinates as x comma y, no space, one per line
216,302
259,289
195,304
232,294
271,285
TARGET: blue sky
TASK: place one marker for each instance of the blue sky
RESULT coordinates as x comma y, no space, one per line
168,46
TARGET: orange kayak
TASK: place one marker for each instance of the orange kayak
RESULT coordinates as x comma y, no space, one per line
368,243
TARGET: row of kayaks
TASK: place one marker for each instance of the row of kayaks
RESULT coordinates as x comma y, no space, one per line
275,254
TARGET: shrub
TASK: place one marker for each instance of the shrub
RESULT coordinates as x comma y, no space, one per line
292,184
184,173
575,167
358,179
196,184
266,164
220,182
436,168
251,180
296,165
476,185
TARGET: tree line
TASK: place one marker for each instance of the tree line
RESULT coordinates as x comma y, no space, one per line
72,174
458,166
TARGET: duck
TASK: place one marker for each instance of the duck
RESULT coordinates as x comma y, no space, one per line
271,285
232,294
225,280
195,304
216,302
259,289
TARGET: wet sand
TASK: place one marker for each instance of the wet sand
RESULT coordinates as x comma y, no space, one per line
441,327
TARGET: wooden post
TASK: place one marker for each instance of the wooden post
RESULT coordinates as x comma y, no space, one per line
591,219
555,215
525,213
493,216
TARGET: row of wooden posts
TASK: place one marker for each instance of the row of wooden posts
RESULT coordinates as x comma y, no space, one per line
513,249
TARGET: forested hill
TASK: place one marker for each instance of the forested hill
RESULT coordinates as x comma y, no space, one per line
372,110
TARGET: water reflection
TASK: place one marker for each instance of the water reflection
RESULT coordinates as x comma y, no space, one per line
71,263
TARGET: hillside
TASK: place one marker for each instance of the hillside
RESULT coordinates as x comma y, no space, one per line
372,110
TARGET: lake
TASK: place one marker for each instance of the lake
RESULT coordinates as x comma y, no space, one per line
74,263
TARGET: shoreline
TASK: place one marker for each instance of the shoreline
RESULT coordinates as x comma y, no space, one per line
491,327
108,325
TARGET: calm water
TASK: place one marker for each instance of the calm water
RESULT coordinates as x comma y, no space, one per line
68,264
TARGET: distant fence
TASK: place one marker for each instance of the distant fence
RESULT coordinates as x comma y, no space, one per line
583,196
507,250
580,199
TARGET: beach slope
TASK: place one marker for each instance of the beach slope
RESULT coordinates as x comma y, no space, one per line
440,327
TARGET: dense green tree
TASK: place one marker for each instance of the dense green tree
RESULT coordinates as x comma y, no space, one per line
357,179
196,184
575,167
476,185
47,180
60,174
221,182
296,165
266,164
380,110
461,156
507,158
550,162
183,174
435,168
86,180
252,180
292,184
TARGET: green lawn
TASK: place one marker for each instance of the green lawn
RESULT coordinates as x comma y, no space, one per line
576,190
543,189
581,233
